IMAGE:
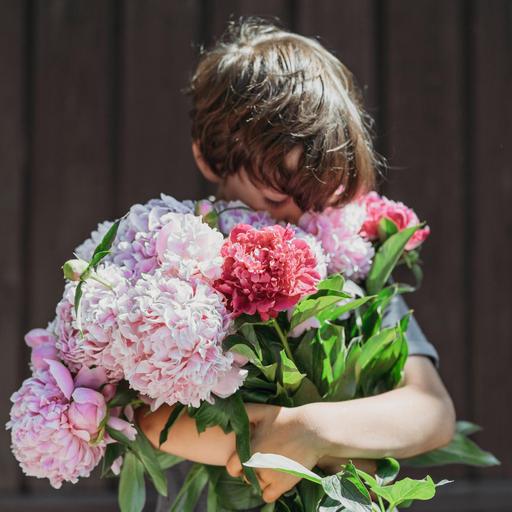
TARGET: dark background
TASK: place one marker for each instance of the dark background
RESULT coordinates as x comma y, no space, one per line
92,120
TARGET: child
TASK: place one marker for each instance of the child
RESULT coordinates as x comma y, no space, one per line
277,123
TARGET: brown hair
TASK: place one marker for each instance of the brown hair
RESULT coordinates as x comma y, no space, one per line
262,90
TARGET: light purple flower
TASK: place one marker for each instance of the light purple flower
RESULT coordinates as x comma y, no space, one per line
232,213
98,322
170,344
338,231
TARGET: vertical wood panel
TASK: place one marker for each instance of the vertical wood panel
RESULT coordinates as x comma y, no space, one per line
491,229
423,142
71,162
158,58
349,29
12,210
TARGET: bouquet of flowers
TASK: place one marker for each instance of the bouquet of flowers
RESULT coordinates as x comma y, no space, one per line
206,305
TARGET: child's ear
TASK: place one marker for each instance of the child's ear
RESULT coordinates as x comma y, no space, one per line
203,166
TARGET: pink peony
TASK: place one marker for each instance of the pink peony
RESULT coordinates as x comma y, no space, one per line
49,439
338,231
379,207
43,345
186,246
170,343
266,271
98,318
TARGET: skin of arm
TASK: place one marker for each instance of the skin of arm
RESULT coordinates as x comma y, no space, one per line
412,419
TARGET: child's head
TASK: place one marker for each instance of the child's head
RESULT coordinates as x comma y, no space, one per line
278,122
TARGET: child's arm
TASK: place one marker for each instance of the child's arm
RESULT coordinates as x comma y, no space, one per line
415,418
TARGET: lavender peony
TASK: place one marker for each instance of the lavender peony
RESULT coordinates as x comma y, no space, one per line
338,231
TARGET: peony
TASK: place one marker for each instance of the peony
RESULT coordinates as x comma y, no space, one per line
98,321
43,345
338,231
186,246
57,423
266,271
233,213
45,440
379,207
170,339
134,248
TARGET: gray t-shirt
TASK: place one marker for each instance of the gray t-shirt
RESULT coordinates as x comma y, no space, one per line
418,346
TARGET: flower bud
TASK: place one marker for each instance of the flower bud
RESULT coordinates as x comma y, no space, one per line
73,269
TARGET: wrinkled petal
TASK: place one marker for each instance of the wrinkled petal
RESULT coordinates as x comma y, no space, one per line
62,376
230,382
92,378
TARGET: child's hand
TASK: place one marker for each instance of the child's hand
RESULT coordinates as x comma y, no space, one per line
285,431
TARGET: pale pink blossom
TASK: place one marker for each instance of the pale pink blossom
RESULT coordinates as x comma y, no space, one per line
43,345
187,247
91,346
170,343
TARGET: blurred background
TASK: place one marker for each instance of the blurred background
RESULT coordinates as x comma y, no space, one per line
92,120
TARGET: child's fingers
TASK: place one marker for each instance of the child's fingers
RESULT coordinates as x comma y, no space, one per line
277,487
234,466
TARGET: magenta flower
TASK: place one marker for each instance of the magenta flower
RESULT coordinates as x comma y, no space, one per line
266,271
379,207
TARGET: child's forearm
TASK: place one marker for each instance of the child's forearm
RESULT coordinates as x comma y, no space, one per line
401,423
212,446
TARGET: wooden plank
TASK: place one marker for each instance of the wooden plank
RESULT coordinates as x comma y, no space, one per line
423,81
159,55
13,169
71,180
491,225
348,29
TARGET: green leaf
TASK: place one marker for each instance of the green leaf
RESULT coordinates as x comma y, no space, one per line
173,416
78,297
145,452
108,239
387,470
123,396
334,313
191,490
348,489
306,394
112,452
291,377
334,283
308,308
461,450
230,493
374,345
406,490
283,464
167,460
132,489
230,414
311,494
386,228
387,257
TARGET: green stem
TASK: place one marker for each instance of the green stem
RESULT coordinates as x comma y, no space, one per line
381,504
283,339
98,280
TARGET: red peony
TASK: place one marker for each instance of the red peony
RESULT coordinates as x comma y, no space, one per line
266,270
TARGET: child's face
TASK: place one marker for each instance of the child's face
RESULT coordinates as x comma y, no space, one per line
239,187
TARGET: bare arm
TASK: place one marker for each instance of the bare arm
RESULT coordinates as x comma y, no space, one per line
412,419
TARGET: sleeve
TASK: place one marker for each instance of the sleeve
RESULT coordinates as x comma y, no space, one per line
418,343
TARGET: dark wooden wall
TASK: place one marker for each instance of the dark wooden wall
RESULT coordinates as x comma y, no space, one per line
92,120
